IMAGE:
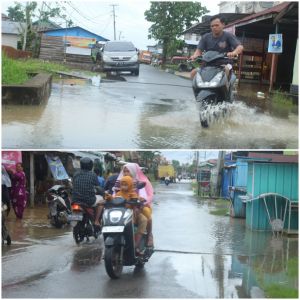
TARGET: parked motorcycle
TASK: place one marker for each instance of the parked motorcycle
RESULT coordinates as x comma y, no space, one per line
5,234
212,88
118,232
59,205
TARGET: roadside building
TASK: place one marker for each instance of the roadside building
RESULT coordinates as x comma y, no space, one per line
257,63
265,191
245,7
72,45
11,33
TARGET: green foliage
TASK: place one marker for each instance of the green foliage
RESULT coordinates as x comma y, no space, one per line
293,267
170,19
11,72
278,291
16,71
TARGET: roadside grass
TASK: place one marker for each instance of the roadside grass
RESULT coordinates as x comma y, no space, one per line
17,71
282,104
220,207
12,73
277,290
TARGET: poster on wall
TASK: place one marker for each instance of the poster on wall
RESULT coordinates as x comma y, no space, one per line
275,43
57,169
10,158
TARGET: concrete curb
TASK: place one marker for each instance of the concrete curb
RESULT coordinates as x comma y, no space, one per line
33,92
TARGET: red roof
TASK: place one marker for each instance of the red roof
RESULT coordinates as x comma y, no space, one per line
273,10
276,158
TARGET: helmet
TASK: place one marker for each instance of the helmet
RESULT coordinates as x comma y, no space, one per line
86,164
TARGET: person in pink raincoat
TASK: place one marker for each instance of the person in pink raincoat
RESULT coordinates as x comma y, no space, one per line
18,190
133,170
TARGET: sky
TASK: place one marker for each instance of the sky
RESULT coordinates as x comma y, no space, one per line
97,17
188,156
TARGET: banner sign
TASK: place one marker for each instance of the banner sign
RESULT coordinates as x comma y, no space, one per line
81,42
56,167
10,158
275,43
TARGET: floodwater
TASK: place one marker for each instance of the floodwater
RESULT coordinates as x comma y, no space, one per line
198,255
154,110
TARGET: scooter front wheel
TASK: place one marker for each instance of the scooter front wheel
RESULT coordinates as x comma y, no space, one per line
112,259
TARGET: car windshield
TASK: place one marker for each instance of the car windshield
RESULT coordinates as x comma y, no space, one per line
119,47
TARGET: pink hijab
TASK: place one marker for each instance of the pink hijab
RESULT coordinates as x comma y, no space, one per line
138,175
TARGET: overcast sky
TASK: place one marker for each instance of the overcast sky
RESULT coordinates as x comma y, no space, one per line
96,16
188,156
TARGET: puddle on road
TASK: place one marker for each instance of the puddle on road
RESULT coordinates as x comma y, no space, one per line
218,257
150,117
242,127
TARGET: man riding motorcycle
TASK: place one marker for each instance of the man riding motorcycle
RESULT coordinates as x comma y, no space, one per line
218,40
85,186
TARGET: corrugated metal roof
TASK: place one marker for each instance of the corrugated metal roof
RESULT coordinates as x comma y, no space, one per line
10,27
270,11
275,158
204,26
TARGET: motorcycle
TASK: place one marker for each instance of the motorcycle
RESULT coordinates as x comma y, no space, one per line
212,87
5,234
118,232
167,181
59,205
83,221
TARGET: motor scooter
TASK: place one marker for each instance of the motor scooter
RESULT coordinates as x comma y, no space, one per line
82,219
59,204
118,232
212,88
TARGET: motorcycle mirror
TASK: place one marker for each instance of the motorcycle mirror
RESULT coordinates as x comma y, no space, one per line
141,184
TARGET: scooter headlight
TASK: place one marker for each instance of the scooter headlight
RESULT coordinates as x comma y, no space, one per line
216,79
206,84
115,216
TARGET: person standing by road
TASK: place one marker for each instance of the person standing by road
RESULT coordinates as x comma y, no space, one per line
218,40
18,190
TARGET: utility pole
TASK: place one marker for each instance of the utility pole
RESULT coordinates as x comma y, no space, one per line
220,166
114,15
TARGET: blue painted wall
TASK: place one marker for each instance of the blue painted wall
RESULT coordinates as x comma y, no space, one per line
76,32
281,178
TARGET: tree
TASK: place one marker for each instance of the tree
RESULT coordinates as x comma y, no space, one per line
25,12
170,19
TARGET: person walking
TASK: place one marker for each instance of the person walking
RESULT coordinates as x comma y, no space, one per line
18,190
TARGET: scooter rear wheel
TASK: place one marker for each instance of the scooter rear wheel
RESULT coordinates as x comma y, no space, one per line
78,233
113,260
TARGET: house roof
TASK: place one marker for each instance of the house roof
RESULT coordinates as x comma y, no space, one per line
204,26
10,27
267,13
77,27
4,17
275,158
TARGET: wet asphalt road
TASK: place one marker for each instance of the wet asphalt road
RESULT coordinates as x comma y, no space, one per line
155,110
197,255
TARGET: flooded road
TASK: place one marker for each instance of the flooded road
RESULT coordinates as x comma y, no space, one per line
198,255
153,110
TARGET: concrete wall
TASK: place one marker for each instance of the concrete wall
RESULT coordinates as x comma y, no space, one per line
10,40
33,92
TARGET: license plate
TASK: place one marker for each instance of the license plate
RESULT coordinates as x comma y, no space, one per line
75,217
110,229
